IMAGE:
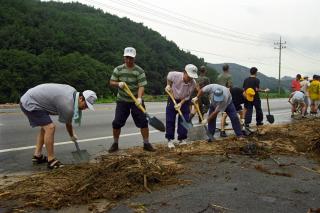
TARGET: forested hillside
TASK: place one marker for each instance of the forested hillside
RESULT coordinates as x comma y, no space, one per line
78,45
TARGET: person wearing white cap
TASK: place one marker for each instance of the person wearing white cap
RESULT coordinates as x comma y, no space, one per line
135,77
181,85
54,99
304,88
221,101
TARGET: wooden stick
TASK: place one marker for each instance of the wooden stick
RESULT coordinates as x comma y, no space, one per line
145,182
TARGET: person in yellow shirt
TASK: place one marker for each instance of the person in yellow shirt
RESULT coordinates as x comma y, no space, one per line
314,93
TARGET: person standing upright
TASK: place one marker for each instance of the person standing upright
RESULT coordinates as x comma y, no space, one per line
224,79
304,88
295,83
204,101
134,76
254,83
181,85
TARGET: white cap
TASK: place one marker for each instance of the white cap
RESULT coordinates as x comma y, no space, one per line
130,51
90,98
191,70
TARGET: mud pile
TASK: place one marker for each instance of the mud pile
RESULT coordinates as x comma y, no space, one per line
119,176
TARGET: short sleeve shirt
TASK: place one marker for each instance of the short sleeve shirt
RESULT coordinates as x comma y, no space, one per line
295,85
237,96
221,105
203,81
314,90
56,99
134,78
254,83
180,89
225,79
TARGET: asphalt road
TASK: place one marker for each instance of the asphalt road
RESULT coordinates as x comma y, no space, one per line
17,138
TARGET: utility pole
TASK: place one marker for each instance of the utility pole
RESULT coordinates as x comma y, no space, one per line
280,47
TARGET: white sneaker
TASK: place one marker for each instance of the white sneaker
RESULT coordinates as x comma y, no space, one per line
182,142
171,145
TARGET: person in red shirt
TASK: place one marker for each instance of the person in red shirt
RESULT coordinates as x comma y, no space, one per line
295,84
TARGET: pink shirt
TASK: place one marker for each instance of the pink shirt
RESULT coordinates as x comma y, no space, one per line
181,89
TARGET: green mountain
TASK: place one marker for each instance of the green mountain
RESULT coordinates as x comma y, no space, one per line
239,73
78,45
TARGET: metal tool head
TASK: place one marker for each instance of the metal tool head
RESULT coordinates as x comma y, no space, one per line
270,118
81,156
156,123
186,125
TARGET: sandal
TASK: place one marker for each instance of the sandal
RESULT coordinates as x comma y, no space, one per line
39,160
54,164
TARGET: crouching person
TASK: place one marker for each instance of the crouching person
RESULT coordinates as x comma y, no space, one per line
54,99
221,101
297,100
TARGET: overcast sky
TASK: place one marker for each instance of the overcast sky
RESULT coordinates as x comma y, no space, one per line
233,31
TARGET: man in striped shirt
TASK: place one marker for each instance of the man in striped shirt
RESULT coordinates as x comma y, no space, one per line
134,76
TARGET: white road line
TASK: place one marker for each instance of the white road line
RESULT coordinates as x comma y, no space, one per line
96,139
79,141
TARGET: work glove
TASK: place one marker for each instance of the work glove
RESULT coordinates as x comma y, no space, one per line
74,138
195,99
267,90
139,101
121,85
168,88
177,106
204,121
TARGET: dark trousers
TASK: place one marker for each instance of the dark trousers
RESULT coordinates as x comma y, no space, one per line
123,110
171,115
259,114
232,113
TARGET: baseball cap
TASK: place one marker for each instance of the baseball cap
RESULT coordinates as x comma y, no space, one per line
90,98
191,70
218,95
130,51
250,94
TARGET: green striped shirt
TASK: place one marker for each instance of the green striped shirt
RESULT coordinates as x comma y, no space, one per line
134,78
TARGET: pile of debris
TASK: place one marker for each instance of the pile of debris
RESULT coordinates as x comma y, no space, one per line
119,176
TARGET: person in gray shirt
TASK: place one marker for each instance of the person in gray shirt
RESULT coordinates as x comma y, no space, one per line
220,101
54,99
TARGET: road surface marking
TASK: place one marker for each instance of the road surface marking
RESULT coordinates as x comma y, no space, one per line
96,139
71,142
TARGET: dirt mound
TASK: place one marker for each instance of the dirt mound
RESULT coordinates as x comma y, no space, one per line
119,176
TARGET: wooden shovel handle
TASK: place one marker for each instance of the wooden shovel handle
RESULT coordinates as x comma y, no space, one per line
196,105
174,101
128,91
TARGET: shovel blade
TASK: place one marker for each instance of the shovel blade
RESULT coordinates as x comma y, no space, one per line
185,124
81,156
270,118
156,123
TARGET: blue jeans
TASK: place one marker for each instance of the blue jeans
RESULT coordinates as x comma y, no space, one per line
232,113
171,115
259,114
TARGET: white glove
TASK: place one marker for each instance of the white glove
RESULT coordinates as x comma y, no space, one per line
177,106
121,84
195,99
139,101
74,138
168,88
267,90
204,121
